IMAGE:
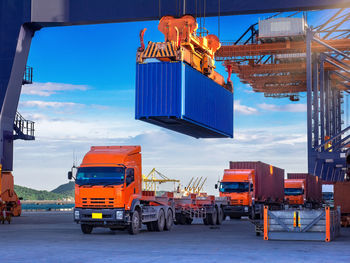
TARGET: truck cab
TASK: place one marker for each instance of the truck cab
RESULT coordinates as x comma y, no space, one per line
238,185
108,192
294,192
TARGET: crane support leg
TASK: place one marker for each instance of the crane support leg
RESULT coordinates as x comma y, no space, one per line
14,61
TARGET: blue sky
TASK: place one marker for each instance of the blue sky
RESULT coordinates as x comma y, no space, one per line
84,92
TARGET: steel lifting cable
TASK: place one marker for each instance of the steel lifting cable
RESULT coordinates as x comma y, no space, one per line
205,4
219,19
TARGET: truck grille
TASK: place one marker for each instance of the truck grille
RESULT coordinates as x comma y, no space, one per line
98,202
237,202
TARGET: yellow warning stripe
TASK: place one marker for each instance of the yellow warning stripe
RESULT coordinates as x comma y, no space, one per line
152,51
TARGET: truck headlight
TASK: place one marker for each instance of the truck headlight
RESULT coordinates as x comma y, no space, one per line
119,215
76,214
245,209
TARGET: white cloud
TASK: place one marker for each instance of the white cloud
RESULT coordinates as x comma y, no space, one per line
48,104
246,110
298,107
50,88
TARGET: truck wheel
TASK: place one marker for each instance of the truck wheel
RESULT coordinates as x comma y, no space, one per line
134,227
169,221
159,224
220,218
212,217
86,229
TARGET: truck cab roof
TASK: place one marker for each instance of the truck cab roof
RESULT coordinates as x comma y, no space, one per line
109,155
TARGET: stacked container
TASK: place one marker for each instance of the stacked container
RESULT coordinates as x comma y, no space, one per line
342,196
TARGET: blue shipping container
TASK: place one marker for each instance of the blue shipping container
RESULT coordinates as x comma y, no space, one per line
175,96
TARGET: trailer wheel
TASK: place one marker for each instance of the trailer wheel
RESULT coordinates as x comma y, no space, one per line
212,217
134,227
220,213
86,229
169,221
159,224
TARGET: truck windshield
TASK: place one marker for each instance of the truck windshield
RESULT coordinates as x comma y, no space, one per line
100,175
234,187
327,196
293,191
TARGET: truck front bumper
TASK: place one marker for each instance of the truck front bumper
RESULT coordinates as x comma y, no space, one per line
236,210
105,217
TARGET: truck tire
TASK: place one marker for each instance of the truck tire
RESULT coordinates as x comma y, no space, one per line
134,227
220,218
160,223
212,217
205,220
169,221
86,229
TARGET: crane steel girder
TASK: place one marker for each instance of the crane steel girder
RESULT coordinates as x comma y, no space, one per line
288,47
19,19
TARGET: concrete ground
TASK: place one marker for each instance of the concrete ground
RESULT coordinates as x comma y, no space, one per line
53,237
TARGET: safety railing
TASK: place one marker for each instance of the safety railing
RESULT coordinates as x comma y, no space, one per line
24,128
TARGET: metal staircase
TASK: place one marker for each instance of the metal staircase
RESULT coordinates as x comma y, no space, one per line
23,129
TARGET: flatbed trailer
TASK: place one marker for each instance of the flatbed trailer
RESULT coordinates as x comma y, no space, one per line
208,208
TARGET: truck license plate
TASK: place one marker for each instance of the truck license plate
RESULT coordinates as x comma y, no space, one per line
96,215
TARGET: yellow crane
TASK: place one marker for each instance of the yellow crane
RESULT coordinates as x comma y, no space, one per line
195,186
153,178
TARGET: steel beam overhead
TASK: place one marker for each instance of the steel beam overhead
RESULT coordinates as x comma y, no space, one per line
20,19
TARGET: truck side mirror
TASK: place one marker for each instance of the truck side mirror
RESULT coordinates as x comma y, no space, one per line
70,175
216,186
129,176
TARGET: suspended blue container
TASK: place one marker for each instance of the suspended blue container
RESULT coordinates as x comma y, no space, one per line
175,96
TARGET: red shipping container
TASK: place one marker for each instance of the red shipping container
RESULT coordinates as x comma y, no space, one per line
269,181
313,186
342,196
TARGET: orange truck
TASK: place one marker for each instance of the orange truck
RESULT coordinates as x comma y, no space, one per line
8,196
250,186
108,193
294,192
302,189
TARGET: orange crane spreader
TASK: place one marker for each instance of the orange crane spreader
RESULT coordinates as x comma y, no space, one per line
183,43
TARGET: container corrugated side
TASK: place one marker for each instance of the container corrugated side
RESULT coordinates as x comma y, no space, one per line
177,97
313,186
268,187
282,27
342,196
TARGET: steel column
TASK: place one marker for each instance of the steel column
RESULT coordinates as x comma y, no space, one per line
322,98
309,36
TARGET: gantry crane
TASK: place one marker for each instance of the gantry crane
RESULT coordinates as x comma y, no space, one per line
153,178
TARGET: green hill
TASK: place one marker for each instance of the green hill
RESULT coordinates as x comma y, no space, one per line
32,194
65,189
